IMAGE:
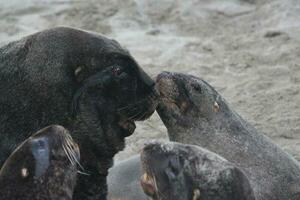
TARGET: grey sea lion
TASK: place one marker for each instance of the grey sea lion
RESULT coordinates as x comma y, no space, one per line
43,167
195,113
83,81
187,172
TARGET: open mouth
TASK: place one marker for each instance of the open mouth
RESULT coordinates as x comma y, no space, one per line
128,127
148,184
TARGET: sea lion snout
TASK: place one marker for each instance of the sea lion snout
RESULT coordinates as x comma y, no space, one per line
173,91
165,85
53,141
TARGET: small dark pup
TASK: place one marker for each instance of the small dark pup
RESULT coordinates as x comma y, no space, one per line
43,167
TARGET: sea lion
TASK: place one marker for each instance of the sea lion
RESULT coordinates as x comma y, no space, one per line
83,81
43,167
187,172
195,113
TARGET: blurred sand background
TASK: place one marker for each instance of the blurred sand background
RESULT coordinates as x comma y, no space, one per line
249,50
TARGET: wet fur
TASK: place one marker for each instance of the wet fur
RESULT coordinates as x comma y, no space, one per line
56,182
40,84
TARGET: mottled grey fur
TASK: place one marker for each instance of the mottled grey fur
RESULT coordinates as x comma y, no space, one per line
195,113
185,172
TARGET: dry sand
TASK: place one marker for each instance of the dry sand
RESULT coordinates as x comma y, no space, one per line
249,50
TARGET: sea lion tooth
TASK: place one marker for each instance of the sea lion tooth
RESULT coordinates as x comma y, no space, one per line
196,194
147,184
77,70
216,107
24,172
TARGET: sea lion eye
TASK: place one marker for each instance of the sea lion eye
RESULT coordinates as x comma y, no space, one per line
116,71
197,87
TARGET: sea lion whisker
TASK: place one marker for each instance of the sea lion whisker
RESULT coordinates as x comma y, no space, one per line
142,116
141,101
72,154
127,109
67,153
134,115
83,173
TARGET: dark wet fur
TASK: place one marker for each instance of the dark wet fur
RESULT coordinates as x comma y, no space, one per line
59,176
38,87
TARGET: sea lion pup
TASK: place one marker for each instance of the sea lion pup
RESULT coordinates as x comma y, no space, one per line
195,113
187,172
83,81
43,167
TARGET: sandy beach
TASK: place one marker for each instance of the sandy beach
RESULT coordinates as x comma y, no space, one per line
249,50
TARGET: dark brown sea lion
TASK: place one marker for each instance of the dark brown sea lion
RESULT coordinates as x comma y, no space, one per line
187,172
83,81
43,167
195,113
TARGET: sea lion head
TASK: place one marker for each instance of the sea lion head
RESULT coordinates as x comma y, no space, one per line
187,172
186,100
116,90
164,172
116,76
45,164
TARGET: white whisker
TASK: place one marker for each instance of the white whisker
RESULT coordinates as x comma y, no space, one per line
83,173
67,153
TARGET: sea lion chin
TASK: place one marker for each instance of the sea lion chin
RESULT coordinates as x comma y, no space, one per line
43,167
186,172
